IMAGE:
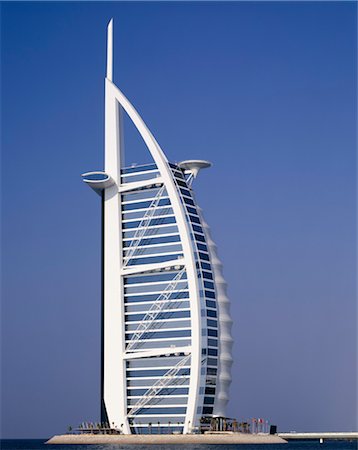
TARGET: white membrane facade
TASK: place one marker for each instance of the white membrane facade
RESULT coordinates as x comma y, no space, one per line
166,342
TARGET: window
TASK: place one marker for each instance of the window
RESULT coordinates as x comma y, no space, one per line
210,390
154,373
209,400
211,371
144,205
164,334
212,323
156,250
199,238
155,240
202,247
198,229
194,219
212,332
191,210
205,266
212,352
211,313
154,277
182,183
141,168
154,259
209,285
204,256
212,362
210,304
188,201
207,275
140,176
174,315
212,342
152,297
207,410
185,192
210,294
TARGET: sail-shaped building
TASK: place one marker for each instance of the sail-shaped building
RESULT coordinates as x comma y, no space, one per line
166,342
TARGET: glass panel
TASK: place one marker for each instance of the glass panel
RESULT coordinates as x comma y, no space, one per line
154,373
153,222
140,251
152,232
141,168
140,177
140,214
144,205
210,304
163,326
153,297
150,278
209,285
210,294
173,315
154,259
166,391
162,334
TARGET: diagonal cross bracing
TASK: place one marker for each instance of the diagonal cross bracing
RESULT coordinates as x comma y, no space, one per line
142,227
155,309
163,382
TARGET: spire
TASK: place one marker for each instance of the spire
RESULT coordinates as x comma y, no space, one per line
109,74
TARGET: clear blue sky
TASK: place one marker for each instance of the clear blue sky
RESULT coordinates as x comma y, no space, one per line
267,92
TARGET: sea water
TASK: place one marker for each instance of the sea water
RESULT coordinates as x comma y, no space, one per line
39,444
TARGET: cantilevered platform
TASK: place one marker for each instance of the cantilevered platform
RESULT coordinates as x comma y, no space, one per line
161,439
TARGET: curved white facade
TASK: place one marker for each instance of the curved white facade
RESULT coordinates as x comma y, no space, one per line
165,363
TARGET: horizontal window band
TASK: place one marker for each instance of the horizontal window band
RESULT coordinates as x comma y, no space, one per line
140,204
164,339
155,240
155,373
140,213
155,410
127,241
175,379
178,390
134,169
154,278
154,252
150,229
139,176
162,215
154,259
164,230
160,334
139,300
153,222
136,317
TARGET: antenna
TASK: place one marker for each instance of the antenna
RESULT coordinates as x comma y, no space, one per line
109,74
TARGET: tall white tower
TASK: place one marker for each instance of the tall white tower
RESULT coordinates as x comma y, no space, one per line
165,318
